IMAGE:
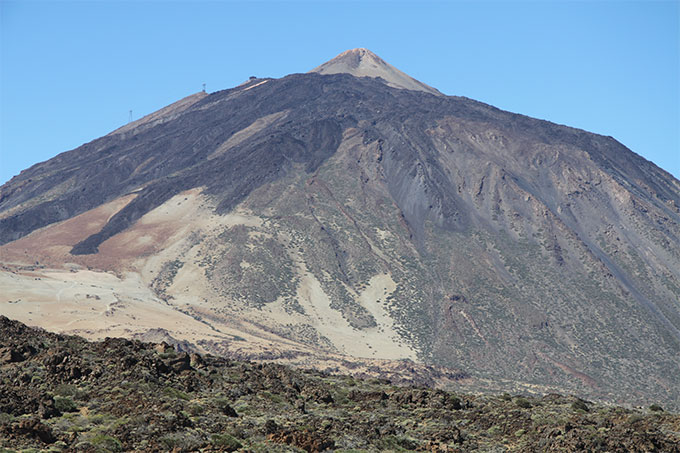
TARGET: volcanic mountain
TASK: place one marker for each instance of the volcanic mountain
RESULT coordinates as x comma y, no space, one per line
353,217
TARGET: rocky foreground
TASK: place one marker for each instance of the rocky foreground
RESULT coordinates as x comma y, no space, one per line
61,393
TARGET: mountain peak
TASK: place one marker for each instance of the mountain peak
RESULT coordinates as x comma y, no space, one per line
362,62
356,58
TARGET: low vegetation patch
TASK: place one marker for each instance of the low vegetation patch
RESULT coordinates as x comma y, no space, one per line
118,395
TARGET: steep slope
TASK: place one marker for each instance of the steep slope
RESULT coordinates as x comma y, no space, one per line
322,217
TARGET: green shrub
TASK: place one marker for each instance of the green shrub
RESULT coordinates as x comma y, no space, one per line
222,404
56,447
272,397
65,404
97,419
398,443
176,394
455,403
494,431
579,404
522,402
635,418
226,442
195,409
183,441
102,442
65,390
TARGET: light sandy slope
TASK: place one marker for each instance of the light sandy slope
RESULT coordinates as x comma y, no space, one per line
381,341
91,304
107,294
112,293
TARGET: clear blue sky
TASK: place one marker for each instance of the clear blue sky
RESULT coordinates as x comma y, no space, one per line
71,71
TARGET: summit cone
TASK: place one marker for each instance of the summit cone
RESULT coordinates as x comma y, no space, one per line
364,63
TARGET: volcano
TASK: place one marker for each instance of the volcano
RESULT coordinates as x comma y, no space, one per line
354,218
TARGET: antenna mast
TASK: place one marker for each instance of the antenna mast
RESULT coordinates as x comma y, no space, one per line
130,118
204,87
